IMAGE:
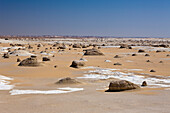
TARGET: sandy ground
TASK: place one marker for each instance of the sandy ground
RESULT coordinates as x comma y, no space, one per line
93,99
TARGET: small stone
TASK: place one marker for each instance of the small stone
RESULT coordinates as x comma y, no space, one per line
147,55
148,61
45,59
152,70
134,54
161,62
117,63
117,56
6,55
144,83
141,51
18,60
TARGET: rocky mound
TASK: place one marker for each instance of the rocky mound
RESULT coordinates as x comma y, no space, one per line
77,64
29,62
122,85
67,80
92,52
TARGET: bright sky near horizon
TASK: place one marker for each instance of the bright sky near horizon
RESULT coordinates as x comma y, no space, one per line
150,18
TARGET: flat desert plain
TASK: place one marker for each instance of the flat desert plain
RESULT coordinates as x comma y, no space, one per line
45,82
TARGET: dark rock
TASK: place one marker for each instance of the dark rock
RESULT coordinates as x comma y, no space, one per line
117,56
84,46
144,83
33,56
117,63
147,55
18,60
6,55
30,47
62,47
163,45
45,59
152,70
161,62
148,61
134,54
121,85
39,45
77,64
141,51
158,51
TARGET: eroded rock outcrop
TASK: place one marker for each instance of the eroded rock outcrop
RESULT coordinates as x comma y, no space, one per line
122,85
93,52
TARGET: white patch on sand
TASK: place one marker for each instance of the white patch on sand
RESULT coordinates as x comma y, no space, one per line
109,46
107,61
93,67
5,41
5,49
59,91
165,58
21,53
89,67
100,73
133,69
52,52
129,61
4,83
148,48
47,54
78,53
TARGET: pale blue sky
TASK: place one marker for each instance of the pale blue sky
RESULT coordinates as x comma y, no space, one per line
150,18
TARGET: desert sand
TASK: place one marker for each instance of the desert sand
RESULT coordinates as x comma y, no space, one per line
29,89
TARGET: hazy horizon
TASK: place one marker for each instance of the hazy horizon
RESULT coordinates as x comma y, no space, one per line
117,18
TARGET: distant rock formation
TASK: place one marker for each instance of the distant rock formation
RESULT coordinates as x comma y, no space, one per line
92,52
125,46
76,46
